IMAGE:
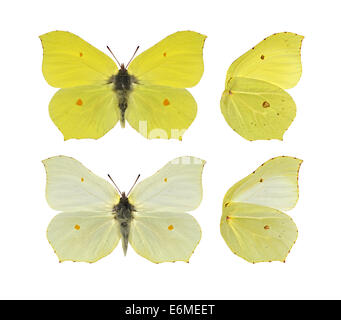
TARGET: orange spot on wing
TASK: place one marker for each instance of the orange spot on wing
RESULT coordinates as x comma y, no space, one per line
262,57
166,102
82,179
261,180
266,227
170,227
227,218
81,54
79,102
165,54
77,227
266,104
165,180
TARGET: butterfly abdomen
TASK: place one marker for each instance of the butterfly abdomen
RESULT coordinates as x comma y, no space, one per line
123,213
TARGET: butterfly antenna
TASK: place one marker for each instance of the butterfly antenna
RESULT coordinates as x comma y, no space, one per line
117,188
132,56
138,177
113,55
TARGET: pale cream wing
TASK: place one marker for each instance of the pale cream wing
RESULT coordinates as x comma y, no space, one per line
83,236
72,187
164,236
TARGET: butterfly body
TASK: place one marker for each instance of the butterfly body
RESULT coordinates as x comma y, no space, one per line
149,92
123,213
122,86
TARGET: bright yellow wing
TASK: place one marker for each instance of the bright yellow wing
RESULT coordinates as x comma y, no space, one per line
176,61
257,110
257,233
70,61
277,59
84,112
254,103
160,112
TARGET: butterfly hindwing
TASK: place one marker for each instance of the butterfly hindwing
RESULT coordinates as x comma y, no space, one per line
257,110
84,112
161,112
257,233
176,61
83,236
164,236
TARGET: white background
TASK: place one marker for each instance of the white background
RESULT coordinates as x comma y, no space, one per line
28,266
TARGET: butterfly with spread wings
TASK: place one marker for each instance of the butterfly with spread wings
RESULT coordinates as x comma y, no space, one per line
149,92
152,217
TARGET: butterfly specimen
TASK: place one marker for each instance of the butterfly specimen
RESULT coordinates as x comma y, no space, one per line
151,216
254,102
149,92
252,223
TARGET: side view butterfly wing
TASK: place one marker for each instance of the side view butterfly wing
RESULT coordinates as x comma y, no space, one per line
158,103
85,230
252,224
257,233
254,102
161,229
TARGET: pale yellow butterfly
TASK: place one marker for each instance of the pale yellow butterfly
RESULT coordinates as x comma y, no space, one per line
152,217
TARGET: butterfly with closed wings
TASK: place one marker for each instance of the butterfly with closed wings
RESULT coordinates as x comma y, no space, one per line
254,102
253,224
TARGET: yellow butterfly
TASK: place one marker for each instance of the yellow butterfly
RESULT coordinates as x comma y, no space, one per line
252,224
149,92
151,217
254,103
